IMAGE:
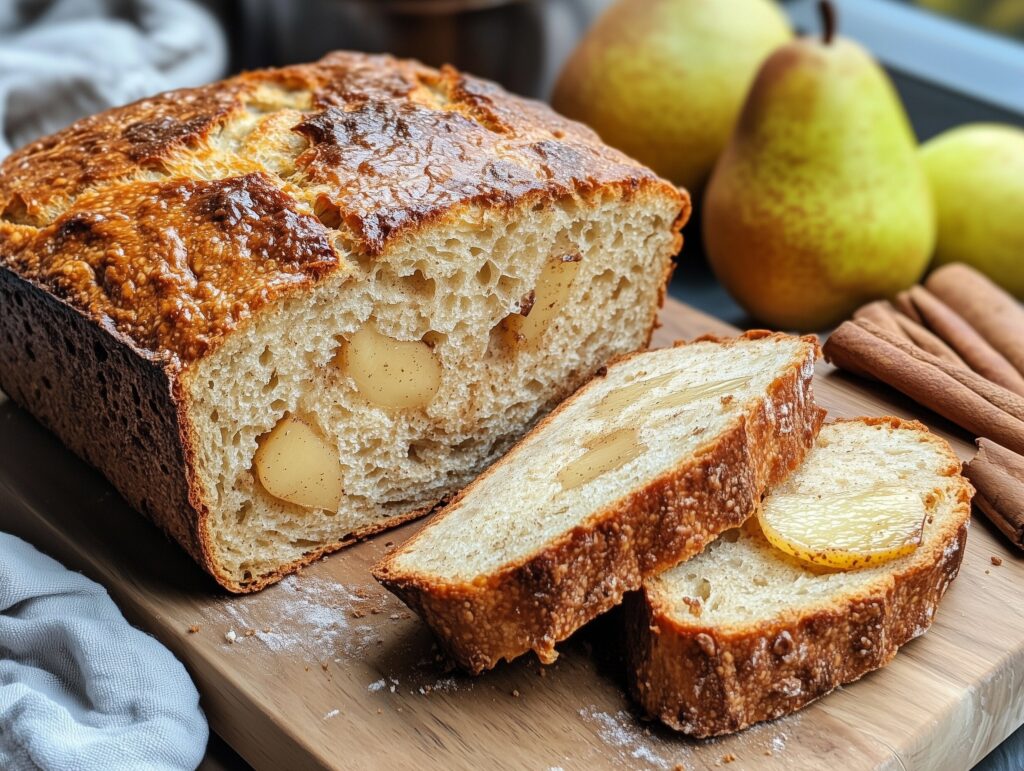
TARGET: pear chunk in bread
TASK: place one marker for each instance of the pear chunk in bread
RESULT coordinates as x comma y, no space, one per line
636,471
744,632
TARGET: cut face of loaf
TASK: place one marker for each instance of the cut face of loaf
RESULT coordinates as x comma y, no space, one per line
636,471
302,305
744,632
412,379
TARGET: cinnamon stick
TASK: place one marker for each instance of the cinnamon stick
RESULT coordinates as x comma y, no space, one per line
998,475
966,341
956,393
904,306
1008,402
993,312
883,314
928,341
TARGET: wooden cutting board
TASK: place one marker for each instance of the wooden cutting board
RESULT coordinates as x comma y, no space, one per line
328,670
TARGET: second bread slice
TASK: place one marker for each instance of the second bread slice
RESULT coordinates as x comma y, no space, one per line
634,473
744,632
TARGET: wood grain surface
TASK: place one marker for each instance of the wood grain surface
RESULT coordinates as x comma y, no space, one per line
330,671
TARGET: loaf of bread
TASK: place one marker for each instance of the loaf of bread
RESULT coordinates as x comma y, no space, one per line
636,471
744,632
301,305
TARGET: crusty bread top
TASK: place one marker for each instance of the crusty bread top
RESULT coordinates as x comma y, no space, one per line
741,581
174,218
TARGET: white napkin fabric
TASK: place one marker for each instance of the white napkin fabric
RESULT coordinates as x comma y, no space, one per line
63,59
80,688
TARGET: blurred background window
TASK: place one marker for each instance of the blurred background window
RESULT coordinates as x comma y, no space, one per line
954,60
1004,17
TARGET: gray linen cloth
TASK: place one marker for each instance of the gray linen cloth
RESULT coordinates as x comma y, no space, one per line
63,59
80,688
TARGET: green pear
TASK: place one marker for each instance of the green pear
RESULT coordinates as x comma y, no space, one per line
977,178
663,80
819,202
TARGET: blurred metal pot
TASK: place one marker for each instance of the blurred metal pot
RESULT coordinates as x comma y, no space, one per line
519,43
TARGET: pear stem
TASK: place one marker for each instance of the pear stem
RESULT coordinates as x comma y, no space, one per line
828,20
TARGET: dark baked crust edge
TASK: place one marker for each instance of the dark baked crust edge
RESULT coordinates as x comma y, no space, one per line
113,404
543,598
707,681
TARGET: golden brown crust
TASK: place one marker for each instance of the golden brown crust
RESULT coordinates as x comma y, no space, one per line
140,217
706,680
137,239
100,256
541,599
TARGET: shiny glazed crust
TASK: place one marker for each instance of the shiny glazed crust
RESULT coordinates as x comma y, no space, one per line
707,681
135,241
544,598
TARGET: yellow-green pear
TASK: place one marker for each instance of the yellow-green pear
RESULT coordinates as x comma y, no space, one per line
819,202
663,80
977,177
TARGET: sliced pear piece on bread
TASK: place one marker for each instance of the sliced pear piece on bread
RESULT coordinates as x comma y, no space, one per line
745,632
636,471
844,530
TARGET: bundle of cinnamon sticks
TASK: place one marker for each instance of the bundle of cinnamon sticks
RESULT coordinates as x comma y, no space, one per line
956,346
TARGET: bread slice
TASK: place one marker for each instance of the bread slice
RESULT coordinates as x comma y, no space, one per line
635,472
743,632
375,273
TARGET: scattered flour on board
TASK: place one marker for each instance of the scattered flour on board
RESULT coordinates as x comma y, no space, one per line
445,684
441,685
767,736
311,615
622,733
635,745
332,713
